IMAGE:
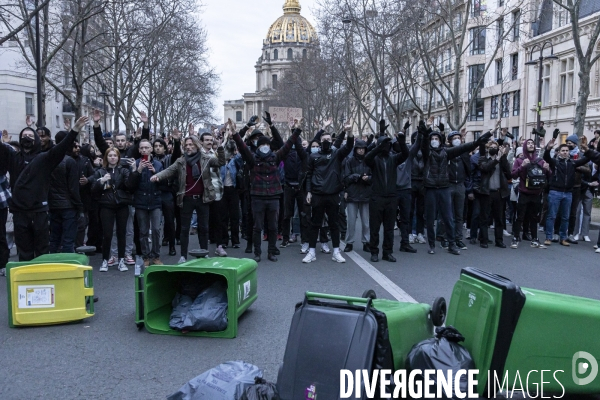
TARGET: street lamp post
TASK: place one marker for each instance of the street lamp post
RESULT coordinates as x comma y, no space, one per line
539,62
38,68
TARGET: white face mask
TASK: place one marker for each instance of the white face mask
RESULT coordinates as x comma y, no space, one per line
264,148
435,144
254,142
456,142
314,149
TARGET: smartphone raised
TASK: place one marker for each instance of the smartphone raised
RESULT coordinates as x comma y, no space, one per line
145,158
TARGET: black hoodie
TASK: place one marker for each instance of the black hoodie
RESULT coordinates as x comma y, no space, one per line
15,162
30,184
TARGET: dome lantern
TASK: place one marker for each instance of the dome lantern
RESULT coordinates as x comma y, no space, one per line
291,7
291,27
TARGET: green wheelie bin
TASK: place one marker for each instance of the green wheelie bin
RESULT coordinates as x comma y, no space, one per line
520,337
157,285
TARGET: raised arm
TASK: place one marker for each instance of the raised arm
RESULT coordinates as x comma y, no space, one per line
100,142
56,154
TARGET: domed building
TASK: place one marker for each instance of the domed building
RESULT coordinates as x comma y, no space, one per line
289,38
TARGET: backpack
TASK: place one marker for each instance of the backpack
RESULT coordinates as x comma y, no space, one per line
536,177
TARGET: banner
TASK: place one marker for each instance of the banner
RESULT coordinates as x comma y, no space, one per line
285,114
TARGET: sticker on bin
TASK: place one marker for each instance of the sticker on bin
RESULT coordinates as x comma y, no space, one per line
244,291
36,296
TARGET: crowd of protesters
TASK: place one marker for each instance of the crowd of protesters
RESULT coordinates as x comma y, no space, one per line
131,196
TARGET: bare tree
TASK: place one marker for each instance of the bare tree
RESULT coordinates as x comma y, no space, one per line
585,57
15,10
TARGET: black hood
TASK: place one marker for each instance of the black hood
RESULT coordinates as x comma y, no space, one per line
37,144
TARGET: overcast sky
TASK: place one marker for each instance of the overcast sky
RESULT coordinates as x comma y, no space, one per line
236,29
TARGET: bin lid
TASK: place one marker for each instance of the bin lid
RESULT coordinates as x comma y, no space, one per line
324,339
511,305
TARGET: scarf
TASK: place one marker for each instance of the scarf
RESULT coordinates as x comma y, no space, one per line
574,152
192,161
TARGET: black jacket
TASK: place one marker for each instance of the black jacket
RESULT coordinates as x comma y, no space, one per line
436,163
169,185
30,187
459,171
146,194
487,166
15,161
133,150
357,188
293,165
563,171
324,171
64,186
85,169
117,184
385,169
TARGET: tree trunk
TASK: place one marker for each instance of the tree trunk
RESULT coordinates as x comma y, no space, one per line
582,100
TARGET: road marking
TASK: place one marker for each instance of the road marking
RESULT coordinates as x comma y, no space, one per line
381,279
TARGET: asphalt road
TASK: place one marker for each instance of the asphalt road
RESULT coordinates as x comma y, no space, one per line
106,356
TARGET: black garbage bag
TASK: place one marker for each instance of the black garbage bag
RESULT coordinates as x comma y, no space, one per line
442,353
261,390
227,381
181,306
209,310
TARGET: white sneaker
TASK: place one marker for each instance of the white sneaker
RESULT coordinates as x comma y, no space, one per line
325,248
304,248
122,266
181,260
576,237
112,261
421,239
541,229
506,233
337,257
411,238
586,239
220,252
597,251
310,256
104,266
595,246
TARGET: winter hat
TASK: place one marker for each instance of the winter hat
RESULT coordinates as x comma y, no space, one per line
60,136
255,133
263,140
434,133
519,151
453,133
360,144
574,139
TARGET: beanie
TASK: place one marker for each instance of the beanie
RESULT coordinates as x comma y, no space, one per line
263,140
574,139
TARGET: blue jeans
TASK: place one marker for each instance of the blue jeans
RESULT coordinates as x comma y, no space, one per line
558,201
63,230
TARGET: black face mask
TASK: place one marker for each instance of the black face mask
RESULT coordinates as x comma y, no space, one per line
571,147
326,146
27,142
385,149
493,151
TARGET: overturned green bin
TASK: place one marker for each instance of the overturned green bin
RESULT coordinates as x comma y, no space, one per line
520,337
156,287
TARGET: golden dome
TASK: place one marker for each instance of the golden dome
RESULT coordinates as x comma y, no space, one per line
291,27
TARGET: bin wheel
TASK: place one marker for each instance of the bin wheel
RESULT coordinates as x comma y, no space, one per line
438,311
369,294
139,325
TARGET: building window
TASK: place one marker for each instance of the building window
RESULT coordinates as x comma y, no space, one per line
29,103
275,54
477,7
476,135
500,29
514,66
516,103
290,54
274,77
304,54
238,116
516,24
458,21
545,84
504,104
498,71
478,40
566,80
449,61
476,73
494,108
515,133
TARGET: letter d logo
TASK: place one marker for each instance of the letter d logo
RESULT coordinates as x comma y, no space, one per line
582,367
